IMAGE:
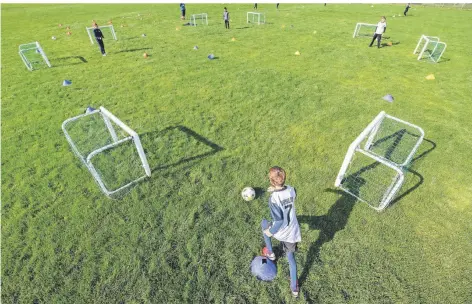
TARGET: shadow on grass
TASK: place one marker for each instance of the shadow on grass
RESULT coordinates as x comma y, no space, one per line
416,174
329,224
259,192
242,28
443,59
336,218
135,50
190,153
67,61
131,38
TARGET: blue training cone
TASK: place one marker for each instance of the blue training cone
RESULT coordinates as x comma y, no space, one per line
67,83
388,98
211,56
89,110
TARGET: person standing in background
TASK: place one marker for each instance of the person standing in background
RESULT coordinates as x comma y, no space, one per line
226,18
182,11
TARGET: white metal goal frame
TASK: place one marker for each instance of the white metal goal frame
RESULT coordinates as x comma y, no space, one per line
359,25
367,137
87,159
203,17
422,46
90,31
24,48
260,17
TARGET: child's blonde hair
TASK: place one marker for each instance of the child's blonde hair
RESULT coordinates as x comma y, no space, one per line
277,176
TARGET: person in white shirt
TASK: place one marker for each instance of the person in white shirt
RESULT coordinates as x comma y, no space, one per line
381,28
284,226
226,18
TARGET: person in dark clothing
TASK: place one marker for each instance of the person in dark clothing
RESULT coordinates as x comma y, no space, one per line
226,18
182,10
99,37
255,6
278,5
407,7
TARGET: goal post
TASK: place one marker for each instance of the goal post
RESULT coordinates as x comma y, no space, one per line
203,18
32,54
253,17
430,47
108,28
374,165
110,150
364,30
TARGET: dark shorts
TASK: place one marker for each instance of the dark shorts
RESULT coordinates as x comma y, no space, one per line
289,247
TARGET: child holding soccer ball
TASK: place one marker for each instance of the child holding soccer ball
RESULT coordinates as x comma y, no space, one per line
381,28
284,226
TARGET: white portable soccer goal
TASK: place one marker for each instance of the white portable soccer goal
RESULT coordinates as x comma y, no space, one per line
430,47
106,29
33,55
374,165
110,150
364,30
253,17
200,18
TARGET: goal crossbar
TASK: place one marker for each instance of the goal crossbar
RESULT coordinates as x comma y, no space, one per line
90,30
87,158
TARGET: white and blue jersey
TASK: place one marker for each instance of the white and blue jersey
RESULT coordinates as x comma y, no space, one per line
285,226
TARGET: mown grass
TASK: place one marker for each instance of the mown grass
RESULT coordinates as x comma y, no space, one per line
212,127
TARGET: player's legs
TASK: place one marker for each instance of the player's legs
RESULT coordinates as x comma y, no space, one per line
267,240
290,249
102,46
293,270
373,39
379,37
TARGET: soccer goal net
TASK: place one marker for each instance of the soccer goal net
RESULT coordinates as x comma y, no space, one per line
107,30
33,55
110,150
373,168
199,19
430,47
255,18
364,30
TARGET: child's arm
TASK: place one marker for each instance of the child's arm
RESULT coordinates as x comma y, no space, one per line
277,215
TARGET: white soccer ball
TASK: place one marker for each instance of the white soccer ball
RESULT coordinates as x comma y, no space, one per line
248,194
53,38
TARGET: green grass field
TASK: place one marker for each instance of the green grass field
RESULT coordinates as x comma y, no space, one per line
209,129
